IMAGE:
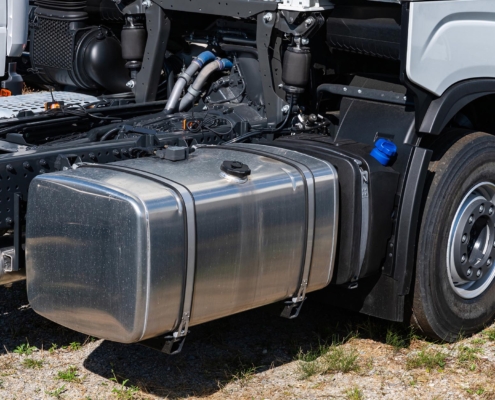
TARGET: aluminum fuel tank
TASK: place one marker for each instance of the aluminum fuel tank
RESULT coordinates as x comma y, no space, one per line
130,250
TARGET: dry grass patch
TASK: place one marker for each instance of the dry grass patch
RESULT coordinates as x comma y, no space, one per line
354,394
328,359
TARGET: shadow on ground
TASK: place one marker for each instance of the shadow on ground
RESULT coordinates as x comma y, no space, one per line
214,354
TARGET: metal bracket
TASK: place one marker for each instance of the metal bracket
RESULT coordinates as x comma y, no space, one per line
158,27
19,260
148,138
292,309
272,102
65,162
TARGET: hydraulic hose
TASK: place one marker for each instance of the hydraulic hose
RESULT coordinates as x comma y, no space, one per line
195,89
186,78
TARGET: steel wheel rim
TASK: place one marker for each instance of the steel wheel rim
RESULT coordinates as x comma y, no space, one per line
471,246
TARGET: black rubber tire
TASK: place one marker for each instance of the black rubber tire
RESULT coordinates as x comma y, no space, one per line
462,160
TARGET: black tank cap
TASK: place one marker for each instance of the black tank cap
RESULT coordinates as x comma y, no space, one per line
236,168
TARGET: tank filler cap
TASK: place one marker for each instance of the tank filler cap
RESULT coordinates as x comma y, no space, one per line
236,169
384,151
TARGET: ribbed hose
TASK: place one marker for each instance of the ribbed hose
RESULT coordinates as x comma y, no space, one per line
196,88
186,77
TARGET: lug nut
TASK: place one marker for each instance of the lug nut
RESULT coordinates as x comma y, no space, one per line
490,210
471,219
489,262
469,271
464,238
463,258
482,208
478,273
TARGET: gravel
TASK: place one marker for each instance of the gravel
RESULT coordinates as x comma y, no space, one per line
253,355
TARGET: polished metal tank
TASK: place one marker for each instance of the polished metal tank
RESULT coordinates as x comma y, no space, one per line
139,248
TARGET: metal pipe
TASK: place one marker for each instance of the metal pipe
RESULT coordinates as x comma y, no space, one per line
186,77
196,88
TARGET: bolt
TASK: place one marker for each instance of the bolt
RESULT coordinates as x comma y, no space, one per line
490,210
43,163
285,109
463,258
281,86
115,152
147,3
478,273
92,156
482,208
26,165
304,41
310,21
489,262
471,219
464,238
268,17
10,168
469,271
131,84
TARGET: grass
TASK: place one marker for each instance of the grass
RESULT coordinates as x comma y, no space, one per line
33,364
489,334
69,375
57,392
354,394
25,349
244,375
478,391
123,392
468,356
327,359
396,339
429,359
52,348
339,359
74,346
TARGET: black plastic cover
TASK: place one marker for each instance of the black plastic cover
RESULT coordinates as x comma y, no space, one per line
369,30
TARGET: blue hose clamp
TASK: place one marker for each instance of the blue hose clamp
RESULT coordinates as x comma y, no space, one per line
384,151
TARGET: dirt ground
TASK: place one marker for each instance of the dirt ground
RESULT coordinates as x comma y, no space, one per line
324,354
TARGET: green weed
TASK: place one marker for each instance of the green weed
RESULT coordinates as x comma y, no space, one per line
123,392
69,375
428,359
33,364
25,349
354,394
57,392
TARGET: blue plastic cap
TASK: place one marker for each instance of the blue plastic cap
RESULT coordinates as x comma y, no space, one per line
384,150
225,64
205,57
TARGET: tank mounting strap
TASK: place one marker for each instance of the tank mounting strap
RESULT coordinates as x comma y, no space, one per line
173,343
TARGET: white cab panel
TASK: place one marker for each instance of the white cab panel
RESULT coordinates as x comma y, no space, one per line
450,41
17,27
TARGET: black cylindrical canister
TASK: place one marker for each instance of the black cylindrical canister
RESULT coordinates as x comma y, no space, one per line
297,63
133,41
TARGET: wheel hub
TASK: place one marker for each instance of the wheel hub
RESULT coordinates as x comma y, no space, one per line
472,242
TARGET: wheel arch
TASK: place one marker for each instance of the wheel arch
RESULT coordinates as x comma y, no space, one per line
458,98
